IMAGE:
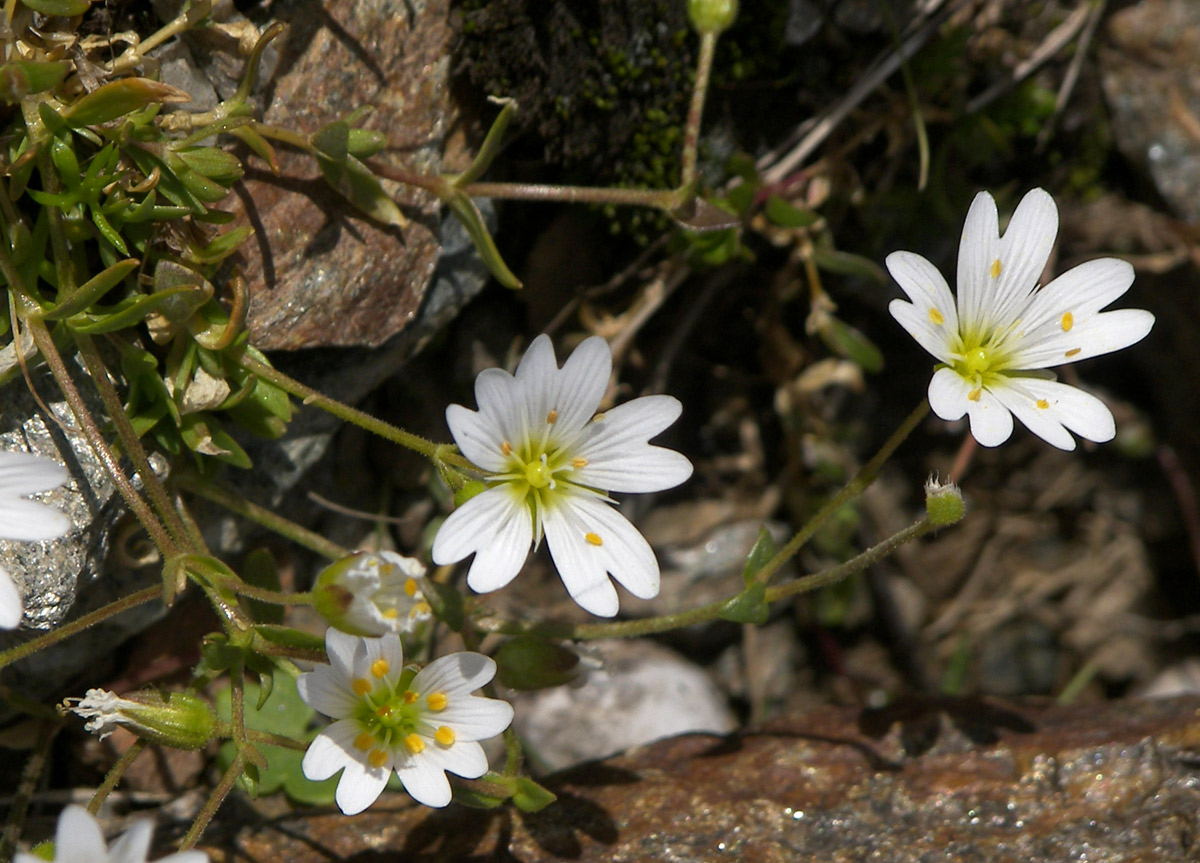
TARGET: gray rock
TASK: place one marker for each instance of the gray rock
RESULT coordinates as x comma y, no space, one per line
639,693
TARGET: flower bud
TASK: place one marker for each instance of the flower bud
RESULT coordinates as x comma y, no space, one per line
712,16
372,594
182,720
943,502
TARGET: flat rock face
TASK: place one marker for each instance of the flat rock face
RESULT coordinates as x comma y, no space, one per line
961,780
320,272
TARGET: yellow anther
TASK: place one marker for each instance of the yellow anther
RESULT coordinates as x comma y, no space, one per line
380,668
1068,321
390,613
974,394
506,448
364,741
414,744
1043,404
377,758
437,701
1072,352
420,608
410,586
444,735
996,268
598,418
552,417
410,697
579,462
361,686
936,317
593,539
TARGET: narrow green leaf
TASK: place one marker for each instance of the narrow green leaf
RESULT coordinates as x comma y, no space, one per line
360,187
20,78
848,342
491,144
763,551
463,207
64,8
788,215
848,264
118,98
749,606
92,290
531,797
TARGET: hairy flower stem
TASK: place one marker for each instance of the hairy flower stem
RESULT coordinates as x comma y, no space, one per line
132,446
856,486
711,611
114,775
663,200
691,134
67,630
261,516
214,801
435,452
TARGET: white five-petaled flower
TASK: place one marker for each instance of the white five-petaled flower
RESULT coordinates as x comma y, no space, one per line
22,473
373,593
388,717
995,342
78,839
551,461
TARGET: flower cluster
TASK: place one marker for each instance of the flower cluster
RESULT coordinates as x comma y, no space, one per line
21,474
78,839
995,340
551,461
388,718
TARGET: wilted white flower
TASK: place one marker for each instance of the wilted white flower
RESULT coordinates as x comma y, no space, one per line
373,593
994,342
78,839
552,460
22,473
181,720
420,724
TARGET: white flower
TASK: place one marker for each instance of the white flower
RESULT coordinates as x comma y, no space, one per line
388,717
20,474
78,839
1004,330
373,593
552,461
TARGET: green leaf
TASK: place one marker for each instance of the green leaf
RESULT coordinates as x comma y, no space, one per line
763,551
294,638
848,264
749,606
127,313
64,8
354,180
118,98
787,215
463,207
848,342
213,163
528,796
20,78
92,290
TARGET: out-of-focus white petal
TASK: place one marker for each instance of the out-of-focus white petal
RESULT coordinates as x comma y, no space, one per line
12,609
77,837
28,521
23,473
134,844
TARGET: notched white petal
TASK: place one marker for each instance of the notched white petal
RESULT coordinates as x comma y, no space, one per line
948,394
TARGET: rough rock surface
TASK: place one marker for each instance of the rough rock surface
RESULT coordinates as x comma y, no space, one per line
935,780
321,273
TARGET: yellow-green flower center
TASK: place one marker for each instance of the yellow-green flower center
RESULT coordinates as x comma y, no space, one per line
538,473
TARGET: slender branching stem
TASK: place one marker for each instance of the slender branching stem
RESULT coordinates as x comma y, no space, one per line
214,801
691,135
114,775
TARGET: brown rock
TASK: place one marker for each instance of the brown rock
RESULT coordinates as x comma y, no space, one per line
960,780
320,272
